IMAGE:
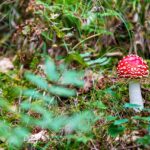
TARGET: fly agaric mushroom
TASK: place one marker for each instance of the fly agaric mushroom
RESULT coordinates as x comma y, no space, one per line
134,67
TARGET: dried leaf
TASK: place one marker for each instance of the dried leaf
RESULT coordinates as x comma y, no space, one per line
41,136
6,65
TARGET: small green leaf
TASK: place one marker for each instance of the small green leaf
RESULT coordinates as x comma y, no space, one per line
37,80
97,61
85,54
25,105
128,105
105,62
76,57
4,128
111,118
80,138
110,92
99,104
50,70
141,118
62,91
58,123
36,95
18,135
144,140
72,77
121,121
4,104
28,120
115,130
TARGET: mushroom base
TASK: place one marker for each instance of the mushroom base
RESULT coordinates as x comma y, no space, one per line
135,95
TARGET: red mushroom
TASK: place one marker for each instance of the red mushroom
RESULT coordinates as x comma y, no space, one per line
134,67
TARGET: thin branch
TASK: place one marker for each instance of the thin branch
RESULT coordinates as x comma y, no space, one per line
90,37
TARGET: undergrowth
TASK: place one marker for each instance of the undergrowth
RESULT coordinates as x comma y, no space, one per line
64,82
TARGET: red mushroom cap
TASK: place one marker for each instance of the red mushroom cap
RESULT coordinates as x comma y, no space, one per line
132,66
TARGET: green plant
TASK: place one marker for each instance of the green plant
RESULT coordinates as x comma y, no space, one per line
41,103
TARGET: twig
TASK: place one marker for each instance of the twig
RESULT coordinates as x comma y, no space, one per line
94,147
129,147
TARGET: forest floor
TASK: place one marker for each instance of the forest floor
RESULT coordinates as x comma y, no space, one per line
59,87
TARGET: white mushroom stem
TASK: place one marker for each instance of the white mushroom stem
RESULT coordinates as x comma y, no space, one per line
135,95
